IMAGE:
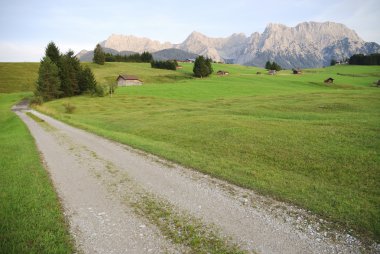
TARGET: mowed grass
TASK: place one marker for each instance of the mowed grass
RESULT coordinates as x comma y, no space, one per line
289,136
31,220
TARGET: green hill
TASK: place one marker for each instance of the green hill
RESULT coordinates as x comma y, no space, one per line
18,77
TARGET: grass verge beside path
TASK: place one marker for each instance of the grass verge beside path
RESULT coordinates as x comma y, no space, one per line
31,219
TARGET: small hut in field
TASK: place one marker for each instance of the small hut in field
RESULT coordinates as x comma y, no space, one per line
222,73
329,81
297,71
128,80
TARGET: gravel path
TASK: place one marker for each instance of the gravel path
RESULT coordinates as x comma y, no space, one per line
88,172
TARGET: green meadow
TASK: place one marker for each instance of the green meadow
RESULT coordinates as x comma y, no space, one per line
18,77
31,219
288,136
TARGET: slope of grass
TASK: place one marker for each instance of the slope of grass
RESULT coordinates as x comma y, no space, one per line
18,77
108,73
30,215
289,136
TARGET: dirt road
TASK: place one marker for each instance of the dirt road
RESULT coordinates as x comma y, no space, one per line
96,179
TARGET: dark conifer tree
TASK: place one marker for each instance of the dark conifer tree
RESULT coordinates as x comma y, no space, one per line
268,65
99,56
52,52
87,82
70,74
202,67
48,83
146,57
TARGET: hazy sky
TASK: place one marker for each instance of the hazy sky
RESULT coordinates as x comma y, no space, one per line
27,26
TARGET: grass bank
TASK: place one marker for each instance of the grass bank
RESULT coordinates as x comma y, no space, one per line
31,217
18,77
289,136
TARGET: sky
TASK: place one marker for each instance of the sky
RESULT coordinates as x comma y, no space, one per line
27,26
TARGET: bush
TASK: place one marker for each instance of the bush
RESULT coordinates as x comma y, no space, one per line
37,100
69,108
100,90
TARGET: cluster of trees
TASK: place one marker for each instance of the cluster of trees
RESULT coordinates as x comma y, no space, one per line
168,65
202,67
100,57
61,75
144,57
272,66
360,59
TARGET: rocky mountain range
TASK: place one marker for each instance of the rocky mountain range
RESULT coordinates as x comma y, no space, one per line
307,45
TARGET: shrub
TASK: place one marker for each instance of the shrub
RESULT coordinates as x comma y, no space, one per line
36,100
69,108
100,90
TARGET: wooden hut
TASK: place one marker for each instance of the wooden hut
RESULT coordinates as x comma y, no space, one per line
128,80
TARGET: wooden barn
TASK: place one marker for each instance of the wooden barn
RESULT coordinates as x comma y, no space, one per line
329,81
128,80
297,71
222,73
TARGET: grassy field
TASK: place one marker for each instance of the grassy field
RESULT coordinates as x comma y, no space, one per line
30,215
288,136
18,77
108,73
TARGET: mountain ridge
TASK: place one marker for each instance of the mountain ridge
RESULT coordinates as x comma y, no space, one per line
307,45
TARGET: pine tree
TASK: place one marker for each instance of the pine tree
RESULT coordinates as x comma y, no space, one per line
202,67
52,52
87,82
70,73
146,57
268,65
209,66
48,83
276,67
99,56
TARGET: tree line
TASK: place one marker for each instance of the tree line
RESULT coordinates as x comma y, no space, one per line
144,57
61,75
360,59
168,65
202,66
100,57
